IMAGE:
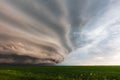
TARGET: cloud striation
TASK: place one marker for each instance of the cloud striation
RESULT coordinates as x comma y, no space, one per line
45,31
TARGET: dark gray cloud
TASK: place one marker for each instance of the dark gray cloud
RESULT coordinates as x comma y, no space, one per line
14,59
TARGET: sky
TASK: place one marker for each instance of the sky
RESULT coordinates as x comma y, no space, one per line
66,32
99,39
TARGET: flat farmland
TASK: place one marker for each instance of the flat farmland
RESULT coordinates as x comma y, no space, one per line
59,72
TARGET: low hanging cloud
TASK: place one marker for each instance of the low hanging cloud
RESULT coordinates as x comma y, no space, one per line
46,31
33,28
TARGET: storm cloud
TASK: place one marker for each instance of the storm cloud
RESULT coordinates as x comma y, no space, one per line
46,31
36,28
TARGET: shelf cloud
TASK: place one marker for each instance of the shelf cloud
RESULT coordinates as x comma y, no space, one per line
35,28
46,31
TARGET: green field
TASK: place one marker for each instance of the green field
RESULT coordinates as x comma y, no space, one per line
60,73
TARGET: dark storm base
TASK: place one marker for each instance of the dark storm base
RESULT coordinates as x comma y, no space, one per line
18,64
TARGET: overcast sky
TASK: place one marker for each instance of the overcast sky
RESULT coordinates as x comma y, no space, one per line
80,32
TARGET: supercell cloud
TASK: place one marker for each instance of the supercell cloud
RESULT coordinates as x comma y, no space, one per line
33,31
46,31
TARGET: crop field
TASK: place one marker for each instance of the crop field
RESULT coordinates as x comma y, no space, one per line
59,72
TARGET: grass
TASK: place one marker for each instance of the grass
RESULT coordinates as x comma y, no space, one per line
60,73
